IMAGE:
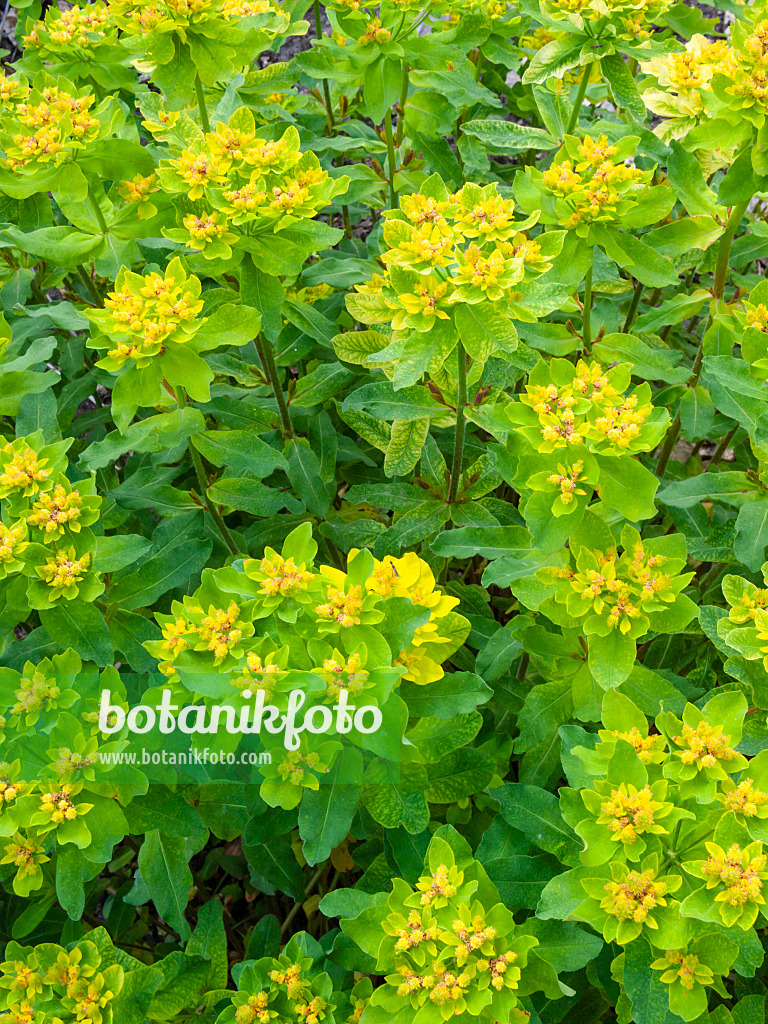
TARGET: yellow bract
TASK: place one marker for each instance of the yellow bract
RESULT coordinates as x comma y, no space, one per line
630,812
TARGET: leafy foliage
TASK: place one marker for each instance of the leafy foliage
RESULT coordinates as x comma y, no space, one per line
401,360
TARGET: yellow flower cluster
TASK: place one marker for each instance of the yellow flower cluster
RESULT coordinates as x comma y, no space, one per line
471,937
9,790
12,91
705,745
218,630
58,806
412,578
43,130
449,249
138,188
684,968
25,854
70,762
630,812
34,693
682,78
419,928
283,576
739,871
437,889
12,542
258,675
564,411
645,746
619,586
758,318
566,480
72,28
374,33
64,570
143,313
23,471
204,228
295,764
629,19
594,184
342,608
247,178
55,509
254,1011
744,798
140,17
338,674
175,635
635,897
291,978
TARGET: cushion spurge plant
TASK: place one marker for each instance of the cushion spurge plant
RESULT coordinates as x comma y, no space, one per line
383,512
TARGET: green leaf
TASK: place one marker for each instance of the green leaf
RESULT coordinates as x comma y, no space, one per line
164,868
734,390
383,402
162,810
394,794
405,445
554,59
611,658
304,472
456,693
509,137
154,434
686,176
80,626
209,940
752,533
647,993
492,542
546,707
627,486
730,485
184,982
648,363
239,450
536,812
325,815
563,944
70,877
252,496
621,82
264,292
458,775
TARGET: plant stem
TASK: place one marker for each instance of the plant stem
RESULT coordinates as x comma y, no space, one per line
347,221
404,73
88,282
197,462
458,446
669,444
311,884
721,274
326,87
710,577
633,307
574,119
714,461
267,356
724,249
390,158
98,215
586,331
201,105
